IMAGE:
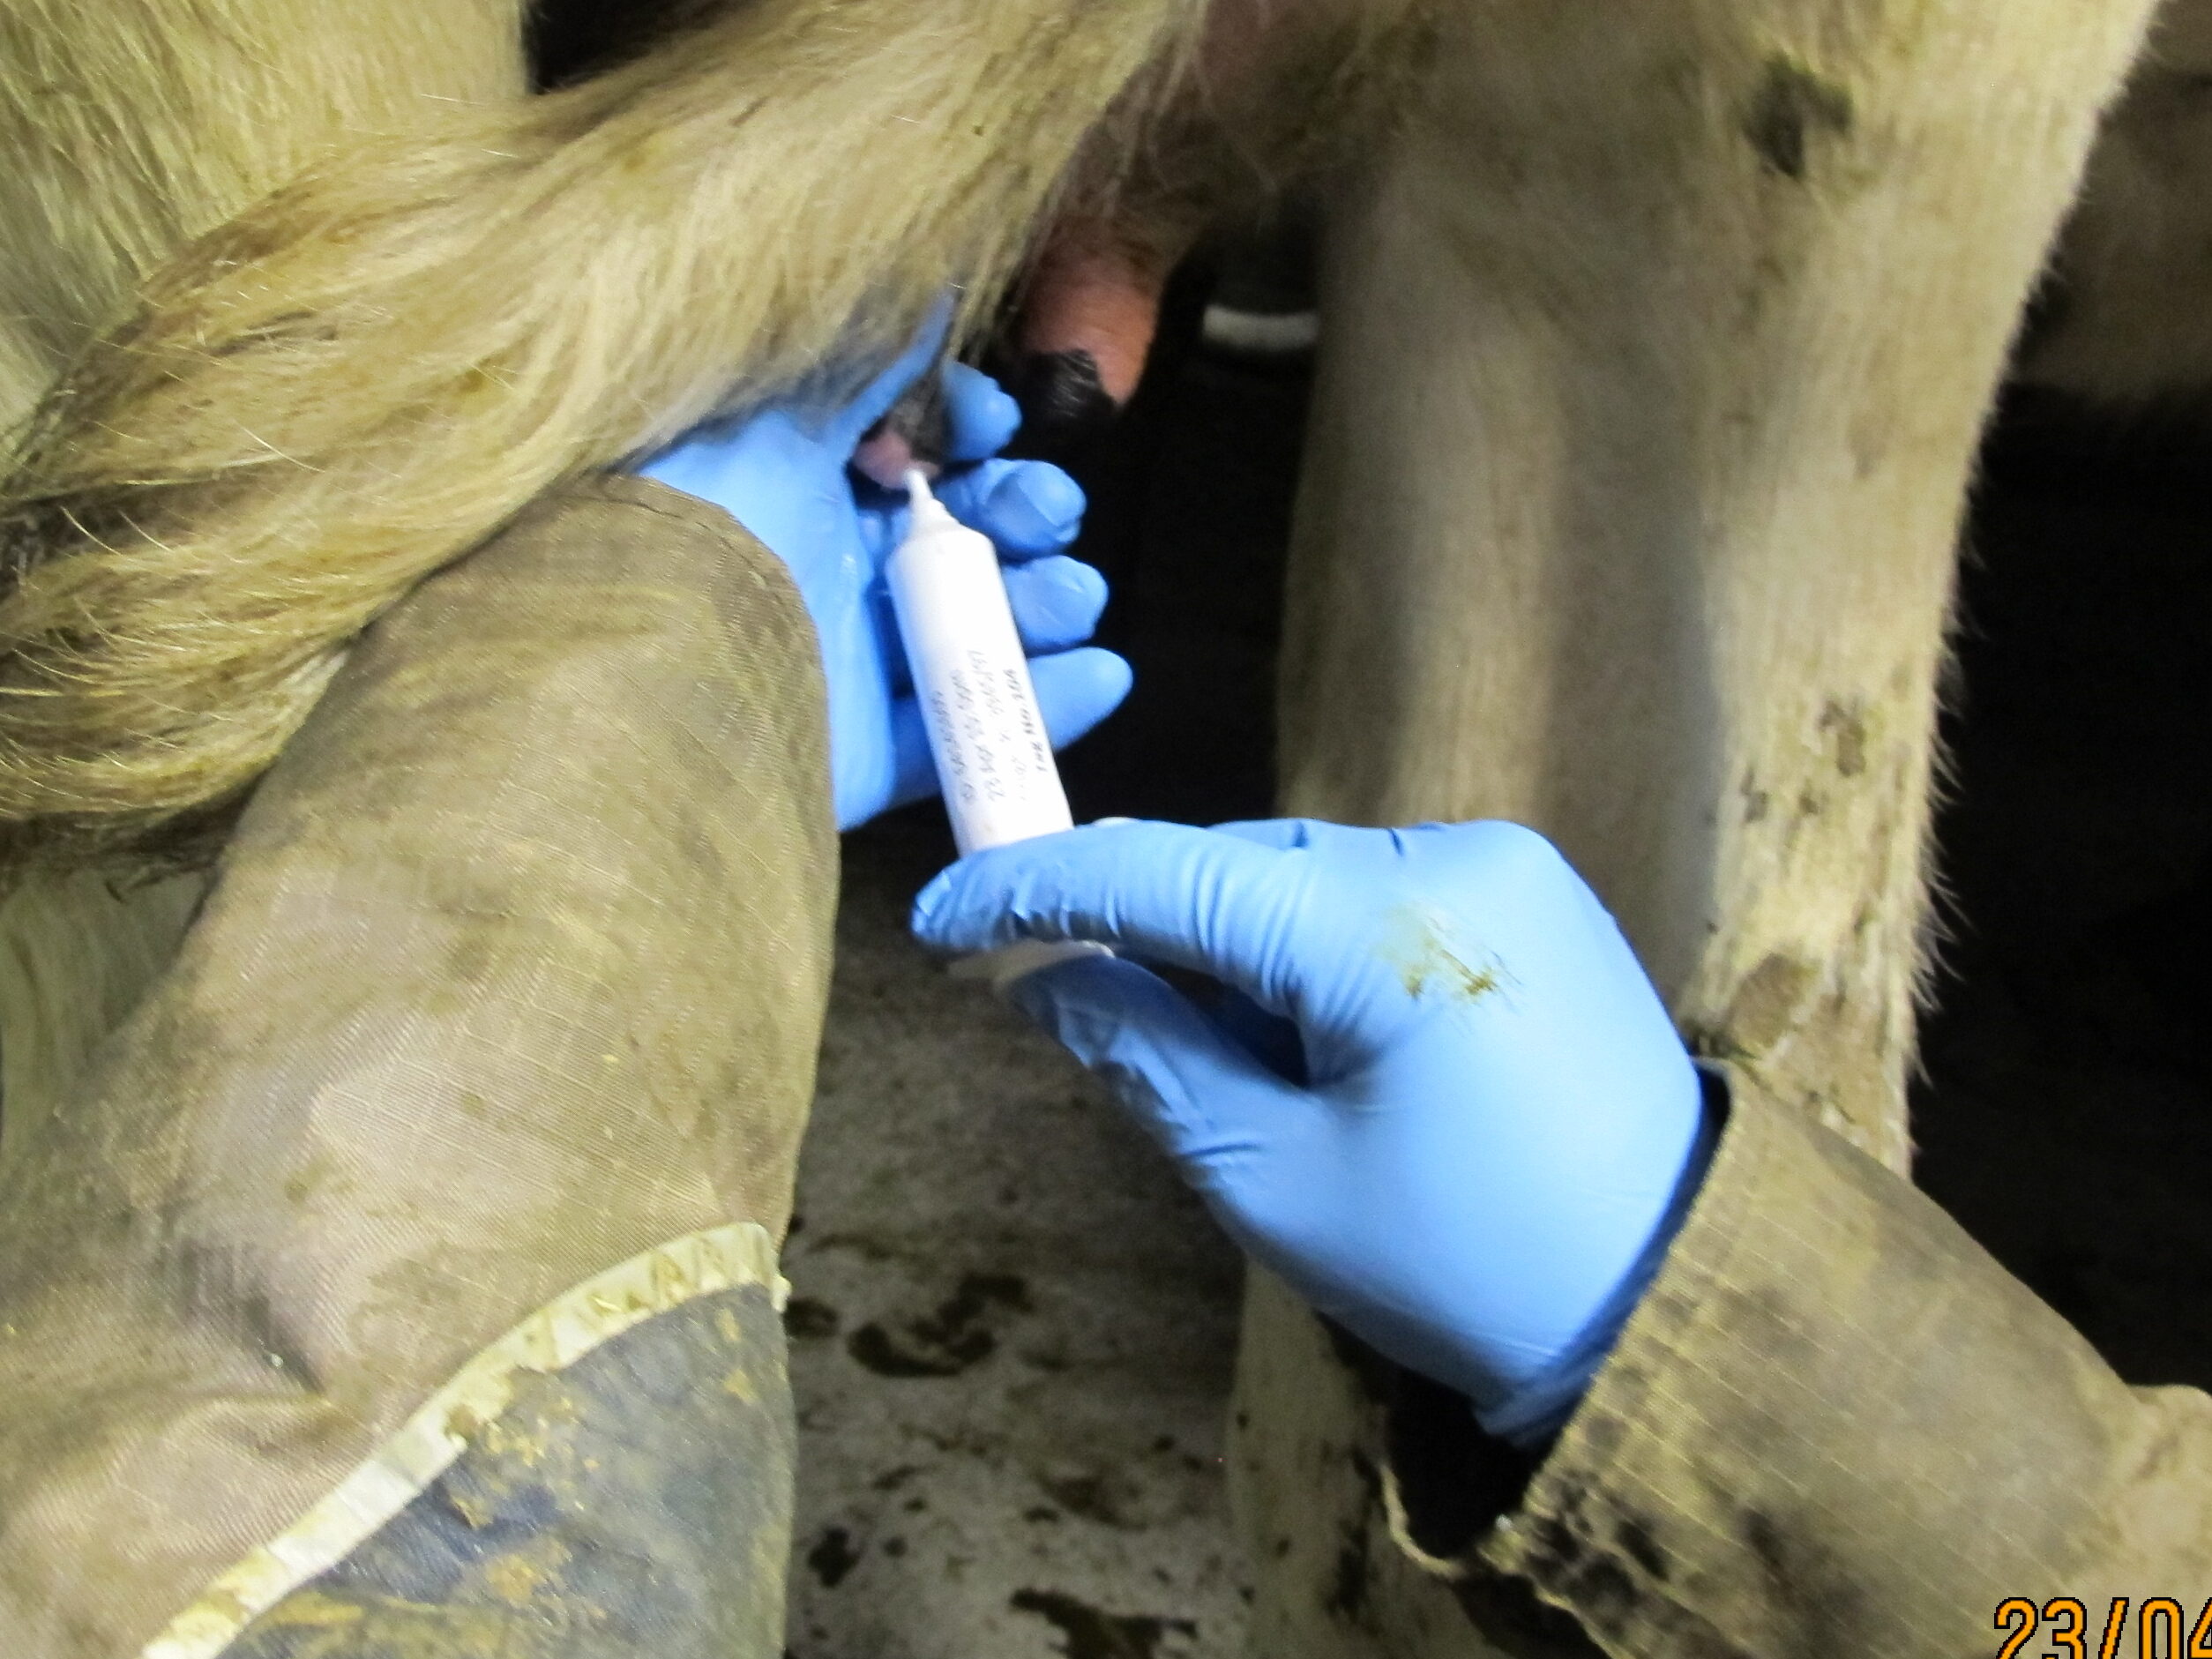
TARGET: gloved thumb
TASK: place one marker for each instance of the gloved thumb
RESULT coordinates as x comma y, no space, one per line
1166,893
1211,1105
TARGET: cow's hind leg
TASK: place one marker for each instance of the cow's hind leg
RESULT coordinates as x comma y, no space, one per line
1658,339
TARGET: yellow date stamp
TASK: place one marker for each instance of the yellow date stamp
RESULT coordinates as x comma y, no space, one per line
2061,1628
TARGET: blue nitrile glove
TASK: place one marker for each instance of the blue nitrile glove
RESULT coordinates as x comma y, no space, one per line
782,474
1475,1137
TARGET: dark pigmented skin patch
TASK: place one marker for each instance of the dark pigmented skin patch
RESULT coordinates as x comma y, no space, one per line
1792,105
921,420
1065,405
1091,1634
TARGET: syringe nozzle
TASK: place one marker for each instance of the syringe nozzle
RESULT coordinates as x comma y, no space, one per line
927,508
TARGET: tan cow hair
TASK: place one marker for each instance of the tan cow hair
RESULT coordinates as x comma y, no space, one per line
361,377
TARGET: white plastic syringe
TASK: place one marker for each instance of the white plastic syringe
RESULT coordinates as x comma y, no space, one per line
994,758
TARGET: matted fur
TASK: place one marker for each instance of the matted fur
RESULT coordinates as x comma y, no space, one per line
361,378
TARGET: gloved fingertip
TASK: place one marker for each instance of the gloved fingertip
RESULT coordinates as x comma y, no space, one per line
1051,495
1085,582
926,904
1056,602
1028,508
1038,997
983,415
1077,688
1084,593
1085,1005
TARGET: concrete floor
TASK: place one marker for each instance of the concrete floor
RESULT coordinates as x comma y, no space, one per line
1014,1330
1014,1327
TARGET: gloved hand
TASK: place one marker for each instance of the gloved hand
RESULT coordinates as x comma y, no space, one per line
783,476
1474,1137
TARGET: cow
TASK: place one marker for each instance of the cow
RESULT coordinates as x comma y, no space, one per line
1657,339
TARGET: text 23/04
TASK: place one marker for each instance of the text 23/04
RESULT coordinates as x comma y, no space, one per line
2163,1629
